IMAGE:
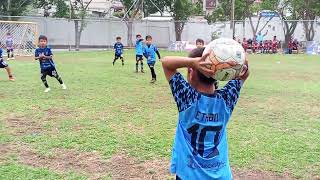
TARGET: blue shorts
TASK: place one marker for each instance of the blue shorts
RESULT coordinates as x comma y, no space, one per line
3,64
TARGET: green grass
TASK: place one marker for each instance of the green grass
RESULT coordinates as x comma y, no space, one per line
111,110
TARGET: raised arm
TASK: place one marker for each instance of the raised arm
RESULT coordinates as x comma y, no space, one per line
170,65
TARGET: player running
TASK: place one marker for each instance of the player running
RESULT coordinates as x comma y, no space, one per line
139,52
118,50
200,149
4,65
44,54
9,45
150,52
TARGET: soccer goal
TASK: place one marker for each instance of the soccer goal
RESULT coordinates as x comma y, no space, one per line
24,36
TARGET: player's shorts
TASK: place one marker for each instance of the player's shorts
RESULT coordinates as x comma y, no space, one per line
151,63
9,50
51,71
3,64
116,56
139,57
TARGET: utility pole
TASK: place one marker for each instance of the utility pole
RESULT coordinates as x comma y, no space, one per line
8,9
233,18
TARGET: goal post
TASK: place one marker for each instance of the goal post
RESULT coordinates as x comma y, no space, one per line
24,35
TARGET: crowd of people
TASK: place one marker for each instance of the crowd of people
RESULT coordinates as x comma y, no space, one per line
260,46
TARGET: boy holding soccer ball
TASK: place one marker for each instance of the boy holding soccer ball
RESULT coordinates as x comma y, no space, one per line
44,55
118,50
200,149
4,65
150,52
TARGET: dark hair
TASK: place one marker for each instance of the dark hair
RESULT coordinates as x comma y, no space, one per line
204,79
138,35
118,38
43,37
148,37
200,41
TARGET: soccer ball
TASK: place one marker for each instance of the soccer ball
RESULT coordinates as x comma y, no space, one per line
227,57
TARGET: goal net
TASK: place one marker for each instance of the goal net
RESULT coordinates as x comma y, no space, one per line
24,35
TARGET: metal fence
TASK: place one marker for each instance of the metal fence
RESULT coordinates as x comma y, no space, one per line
101,33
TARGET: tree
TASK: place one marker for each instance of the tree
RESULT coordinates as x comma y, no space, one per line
13,7
78,12
309,10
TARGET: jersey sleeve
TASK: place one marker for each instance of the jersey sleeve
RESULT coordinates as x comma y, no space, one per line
183,93
50,52
36,53
230,93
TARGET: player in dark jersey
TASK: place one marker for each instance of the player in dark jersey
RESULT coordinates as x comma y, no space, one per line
150,52
4,65
139,52
44,55
200,149
118,51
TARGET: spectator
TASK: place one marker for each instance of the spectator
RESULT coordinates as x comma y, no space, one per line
274,45
245,44
260,37
290,46
295,46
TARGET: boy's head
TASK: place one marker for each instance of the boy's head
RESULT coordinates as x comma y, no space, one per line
195,77
118,39
43,40
138,36
149,39
199,43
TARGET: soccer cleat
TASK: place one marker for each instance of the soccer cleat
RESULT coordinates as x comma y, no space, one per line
153,81
12,58
64,86
47,90
12,79
112,63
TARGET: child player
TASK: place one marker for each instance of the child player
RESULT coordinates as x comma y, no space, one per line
200,149
4,65
199,43
9,44
44,54
139,52
118,51
150,52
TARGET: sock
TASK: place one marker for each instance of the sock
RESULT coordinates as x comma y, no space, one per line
153,73
141,66
122,61
137,66
44,80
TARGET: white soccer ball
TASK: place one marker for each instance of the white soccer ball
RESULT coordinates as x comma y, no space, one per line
228,58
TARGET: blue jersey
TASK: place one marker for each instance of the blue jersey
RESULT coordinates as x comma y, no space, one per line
200,149
149,51
118,48
47,63
139,47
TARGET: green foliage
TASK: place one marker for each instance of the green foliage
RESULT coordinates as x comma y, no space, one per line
17,7
62,9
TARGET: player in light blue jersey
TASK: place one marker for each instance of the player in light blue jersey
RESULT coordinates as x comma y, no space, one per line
150,52
10,47
139,52
4,65
44,55
200,150
118,51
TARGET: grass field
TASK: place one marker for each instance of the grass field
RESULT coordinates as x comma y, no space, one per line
112,123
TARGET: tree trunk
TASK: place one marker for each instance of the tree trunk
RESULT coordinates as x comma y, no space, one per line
77,34
178,29
288,30
129,35
309,30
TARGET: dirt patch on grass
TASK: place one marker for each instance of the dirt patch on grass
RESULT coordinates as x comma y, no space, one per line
5,151
88,163
258,175
125,167
22,125
56,113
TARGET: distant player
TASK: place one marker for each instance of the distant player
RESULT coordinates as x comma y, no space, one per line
200,149
275,45
4,65
199,43
245,44
139,52
118,51
44,54
150,52
9,44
